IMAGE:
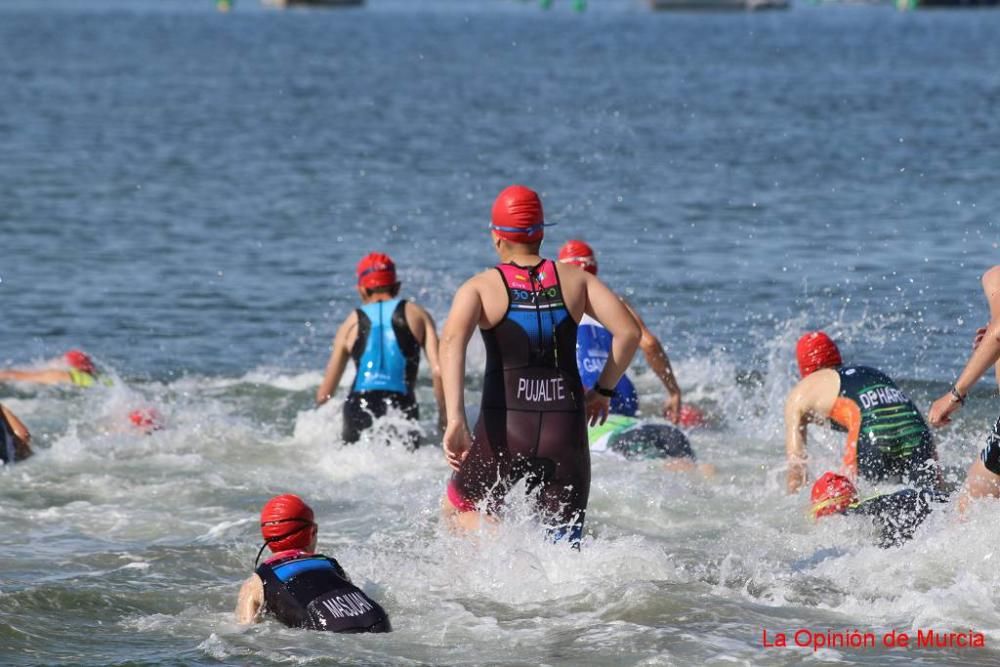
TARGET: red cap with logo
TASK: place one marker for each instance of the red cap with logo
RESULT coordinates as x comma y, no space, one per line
832,493
79,360
816,350
517,215
286,522
579,253
376,270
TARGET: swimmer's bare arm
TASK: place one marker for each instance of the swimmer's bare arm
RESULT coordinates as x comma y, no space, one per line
796,419
991,288
659,362
608,309
250,601
339,355
430,343
466,311
21,433
37,377
986,354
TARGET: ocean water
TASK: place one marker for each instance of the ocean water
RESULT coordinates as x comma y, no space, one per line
184,194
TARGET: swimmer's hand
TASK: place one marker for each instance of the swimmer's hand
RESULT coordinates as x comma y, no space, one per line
672,408
597,407
456,441
940,413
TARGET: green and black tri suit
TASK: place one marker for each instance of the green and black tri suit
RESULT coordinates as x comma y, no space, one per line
892,440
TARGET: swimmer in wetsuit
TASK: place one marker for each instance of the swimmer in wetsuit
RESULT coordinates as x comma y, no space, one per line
896,516
533,419
299,587
638,440
384,338
887,438
983,479
15,440
80,371
593,342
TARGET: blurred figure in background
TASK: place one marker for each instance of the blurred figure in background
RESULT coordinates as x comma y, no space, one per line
887,438
15,439
384,337
79,370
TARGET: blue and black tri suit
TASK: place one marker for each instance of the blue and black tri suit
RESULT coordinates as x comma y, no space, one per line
593,345
304,590
532,422
386,354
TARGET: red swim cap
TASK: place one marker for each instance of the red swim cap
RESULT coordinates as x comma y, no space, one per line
691,416
579,253
831,494
517,215
79,361
816,350
286,523
146,419
376,270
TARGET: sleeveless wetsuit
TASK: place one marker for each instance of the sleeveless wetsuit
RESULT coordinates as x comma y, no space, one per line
593,343
633,439
386,355
312,591
532,422
990,454
891,439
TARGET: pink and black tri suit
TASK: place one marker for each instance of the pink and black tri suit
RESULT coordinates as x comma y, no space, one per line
532,422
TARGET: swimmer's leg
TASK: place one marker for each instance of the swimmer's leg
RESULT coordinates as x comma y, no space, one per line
980,483
462,519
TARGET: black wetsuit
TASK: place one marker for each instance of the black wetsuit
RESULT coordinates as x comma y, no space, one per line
312,591
990,454
897,515
894,442
386,355
532,422
652,441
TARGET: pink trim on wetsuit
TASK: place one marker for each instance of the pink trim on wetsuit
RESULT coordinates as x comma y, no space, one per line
520,278
287,553
457,500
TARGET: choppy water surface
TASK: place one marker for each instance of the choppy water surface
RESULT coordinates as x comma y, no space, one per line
185,194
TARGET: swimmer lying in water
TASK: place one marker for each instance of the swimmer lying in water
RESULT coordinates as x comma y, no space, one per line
634,439
299,587
896,516
79,370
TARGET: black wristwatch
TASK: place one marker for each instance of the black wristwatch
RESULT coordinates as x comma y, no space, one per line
607,393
